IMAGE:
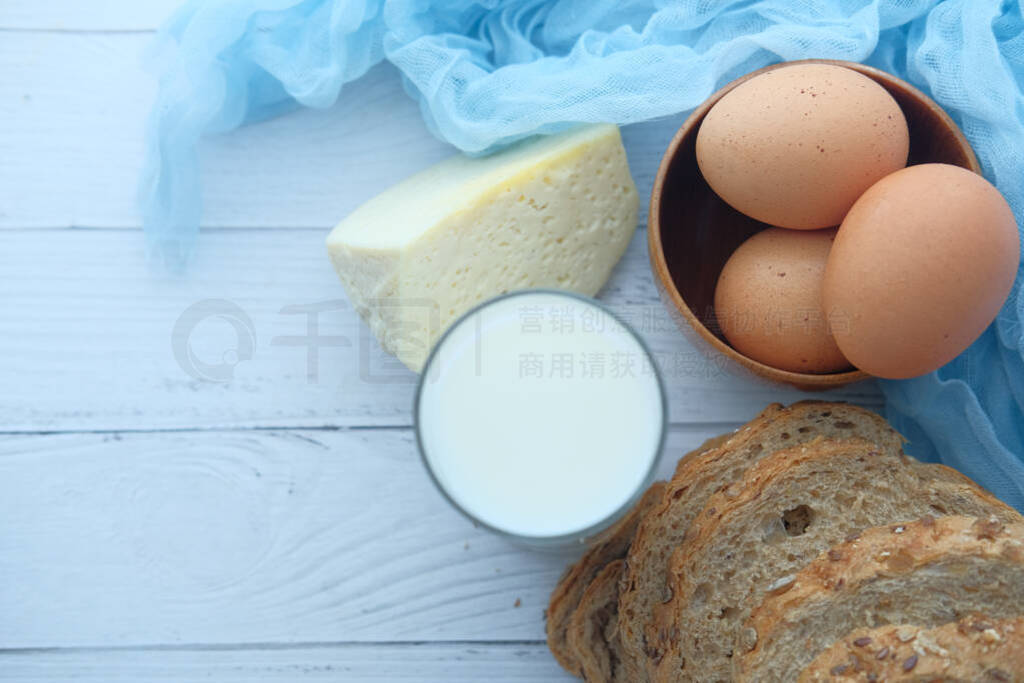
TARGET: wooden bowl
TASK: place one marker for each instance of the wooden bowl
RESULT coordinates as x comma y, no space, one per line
692,232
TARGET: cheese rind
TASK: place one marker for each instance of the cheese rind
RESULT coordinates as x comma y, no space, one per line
553,212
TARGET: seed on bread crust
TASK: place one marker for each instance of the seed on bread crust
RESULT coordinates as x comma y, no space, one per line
781,585
955,651
957,571
906,634
988,528
749,638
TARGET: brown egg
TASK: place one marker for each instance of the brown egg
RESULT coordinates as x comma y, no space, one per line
920,267
768,301
796,146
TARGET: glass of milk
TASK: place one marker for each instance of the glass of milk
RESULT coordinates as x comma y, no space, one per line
540,416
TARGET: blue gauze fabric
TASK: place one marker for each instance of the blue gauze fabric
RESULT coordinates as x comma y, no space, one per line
489,72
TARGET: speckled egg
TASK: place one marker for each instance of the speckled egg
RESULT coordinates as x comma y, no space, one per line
796,146
768,301
920,267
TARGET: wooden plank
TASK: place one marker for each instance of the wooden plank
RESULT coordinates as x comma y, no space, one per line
89,339
253,537
75,108
98,15
498,663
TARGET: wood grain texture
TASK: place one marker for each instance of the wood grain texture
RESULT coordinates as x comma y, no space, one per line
75,108
255,536
89,339
494,662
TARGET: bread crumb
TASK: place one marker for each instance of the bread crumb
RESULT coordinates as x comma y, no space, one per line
517,603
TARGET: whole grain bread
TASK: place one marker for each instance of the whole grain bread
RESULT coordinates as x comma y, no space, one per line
928,573
593,633
644,583
753,536
611,545
976,648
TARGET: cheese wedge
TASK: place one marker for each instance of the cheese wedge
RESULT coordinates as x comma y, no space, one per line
554,212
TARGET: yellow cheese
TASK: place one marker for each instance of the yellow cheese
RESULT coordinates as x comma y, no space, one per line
554,212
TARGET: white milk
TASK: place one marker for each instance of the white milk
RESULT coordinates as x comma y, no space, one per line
540,415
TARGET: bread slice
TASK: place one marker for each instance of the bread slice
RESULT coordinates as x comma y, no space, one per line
611,545
644,583
927,573
789,507
593,633
977,648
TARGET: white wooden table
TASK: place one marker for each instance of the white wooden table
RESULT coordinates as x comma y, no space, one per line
156,525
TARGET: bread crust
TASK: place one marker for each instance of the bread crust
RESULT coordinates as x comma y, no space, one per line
977,648
612,545
669,522
886,551
593,628
623,634
726,510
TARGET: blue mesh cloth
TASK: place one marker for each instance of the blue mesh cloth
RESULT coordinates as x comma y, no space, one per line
488,72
